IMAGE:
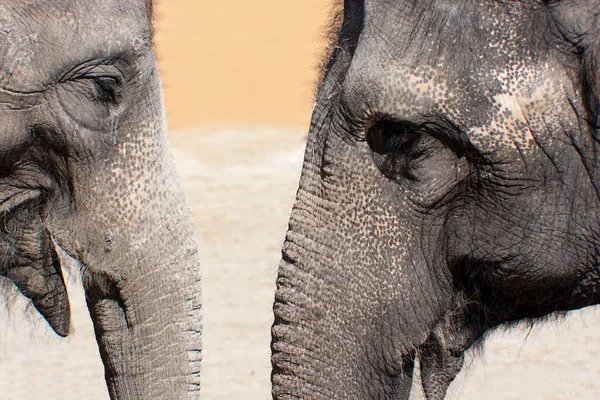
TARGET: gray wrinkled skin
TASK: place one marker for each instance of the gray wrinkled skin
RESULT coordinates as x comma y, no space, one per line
86,165
450,185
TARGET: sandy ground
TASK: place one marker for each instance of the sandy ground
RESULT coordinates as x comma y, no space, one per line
240,184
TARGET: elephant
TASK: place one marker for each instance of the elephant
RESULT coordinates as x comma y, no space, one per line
450,186
86,170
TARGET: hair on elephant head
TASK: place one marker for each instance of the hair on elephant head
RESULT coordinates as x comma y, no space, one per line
86,167
450,185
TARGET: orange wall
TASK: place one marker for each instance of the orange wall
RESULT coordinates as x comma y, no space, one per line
240,62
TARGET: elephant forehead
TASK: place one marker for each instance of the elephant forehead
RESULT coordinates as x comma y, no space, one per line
510,105
528,101
493,68
39,40
498,102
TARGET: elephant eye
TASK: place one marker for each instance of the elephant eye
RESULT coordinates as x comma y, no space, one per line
106,89
99,81
397,148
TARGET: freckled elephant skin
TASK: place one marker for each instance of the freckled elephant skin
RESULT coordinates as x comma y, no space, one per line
86,166
450,186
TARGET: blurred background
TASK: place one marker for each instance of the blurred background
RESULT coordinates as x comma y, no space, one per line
239,62
239,78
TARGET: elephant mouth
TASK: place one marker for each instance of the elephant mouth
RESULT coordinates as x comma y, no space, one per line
31,261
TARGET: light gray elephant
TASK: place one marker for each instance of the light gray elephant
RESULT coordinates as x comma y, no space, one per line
451,184
86,166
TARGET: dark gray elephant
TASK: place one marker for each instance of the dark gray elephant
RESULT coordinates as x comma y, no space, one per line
86,166
450,185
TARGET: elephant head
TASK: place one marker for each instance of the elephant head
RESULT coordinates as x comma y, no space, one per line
450,185
86,167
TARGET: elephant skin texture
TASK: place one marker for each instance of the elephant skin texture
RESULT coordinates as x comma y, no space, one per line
86,167
450,186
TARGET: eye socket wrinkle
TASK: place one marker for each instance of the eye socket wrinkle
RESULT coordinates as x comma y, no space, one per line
92,68
103,78
399,146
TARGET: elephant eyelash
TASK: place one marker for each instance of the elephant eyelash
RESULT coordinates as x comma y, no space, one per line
5,229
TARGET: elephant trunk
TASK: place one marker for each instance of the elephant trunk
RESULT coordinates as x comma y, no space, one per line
147,319
345,321
332,337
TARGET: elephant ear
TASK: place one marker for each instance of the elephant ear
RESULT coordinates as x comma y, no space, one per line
31,262
579,23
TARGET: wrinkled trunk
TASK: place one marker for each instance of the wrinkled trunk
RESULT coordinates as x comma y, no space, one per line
336,335
147,321
145,296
